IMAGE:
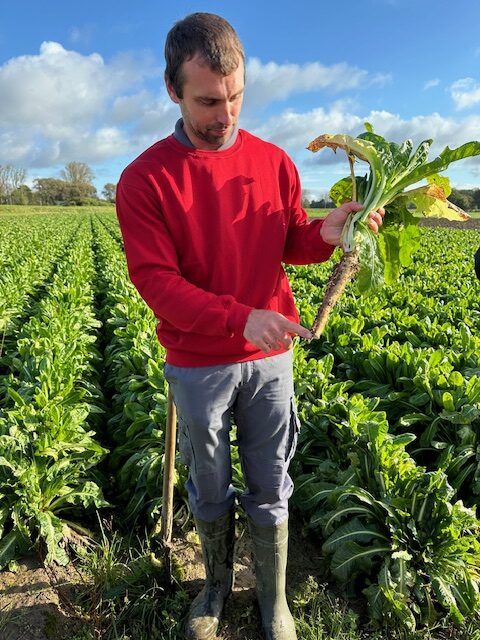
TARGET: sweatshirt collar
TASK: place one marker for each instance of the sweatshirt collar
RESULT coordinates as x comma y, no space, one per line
180,135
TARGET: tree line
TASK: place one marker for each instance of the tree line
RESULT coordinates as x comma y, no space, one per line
74,186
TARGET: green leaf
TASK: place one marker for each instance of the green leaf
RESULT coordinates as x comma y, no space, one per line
371,274
12,546
446,598
446,157
16,397
353,530
352,559
51,530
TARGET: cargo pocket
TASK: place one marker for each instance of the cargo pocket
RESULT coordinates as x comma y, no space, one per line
184,445
293,432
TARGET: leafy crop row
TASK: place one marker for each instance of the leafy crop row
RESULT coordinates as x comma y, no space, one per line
388,463
388,467
51,396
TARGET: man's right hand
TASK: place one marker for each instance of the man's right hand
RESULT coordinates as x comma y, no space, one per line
270,331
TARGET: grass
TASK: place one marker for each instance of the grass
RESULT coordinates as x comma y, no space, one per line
317,213
320,615
17,209
127,596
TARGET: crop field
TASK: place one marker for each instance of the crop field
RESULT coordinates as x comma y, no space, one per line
387,470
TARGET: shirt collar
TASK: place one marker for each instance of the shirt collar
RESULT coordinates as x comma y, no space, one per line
180,135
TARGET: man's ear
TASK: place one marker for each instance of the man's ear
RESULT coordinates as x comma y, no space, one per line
171,91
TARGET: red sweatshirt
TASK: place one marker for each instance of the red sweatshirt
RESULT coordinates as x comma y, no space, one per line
205,235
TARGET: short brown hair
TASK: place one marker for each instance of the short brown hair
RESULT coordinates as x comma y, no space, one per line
208,35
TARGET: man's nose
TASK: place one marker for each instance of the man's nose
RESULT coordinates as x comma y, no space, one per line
225,114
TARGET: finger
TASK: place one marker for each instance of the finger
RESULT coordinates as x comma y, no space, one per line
298,330
375,219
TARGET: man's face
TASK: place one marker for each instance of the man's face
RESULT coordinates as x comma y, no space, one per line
211,103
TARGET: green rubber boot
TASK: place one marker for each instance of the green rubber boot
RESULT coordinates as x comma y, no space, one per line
270,545
217,540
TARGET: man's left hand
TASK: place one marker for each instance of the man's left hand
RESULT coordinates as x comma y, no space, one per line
332,227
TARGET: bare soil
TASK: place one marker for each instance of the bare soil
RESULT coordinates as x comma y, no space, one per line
31,608
473,223
37,603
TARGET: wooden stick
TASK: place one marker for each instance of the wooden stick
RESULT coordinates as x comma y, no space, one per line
168,483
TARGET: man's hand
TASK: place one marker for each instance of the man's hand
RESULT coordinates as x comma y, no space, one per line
269,330
332,227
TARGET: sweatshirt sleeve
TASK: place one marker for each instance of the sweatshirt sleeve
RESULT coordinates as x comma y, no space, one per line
153,268
304,243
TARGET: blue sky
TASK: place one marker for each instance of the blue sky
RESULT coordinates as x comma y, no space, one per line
84,81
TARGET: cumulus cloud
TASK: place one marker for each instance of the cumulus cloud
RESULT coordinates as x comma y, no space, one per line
148,115
465,93
61,105
271,81
293,131
53,100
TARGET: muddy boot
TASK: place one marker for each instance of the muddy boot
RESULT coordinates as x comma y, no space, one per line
270,546
217,540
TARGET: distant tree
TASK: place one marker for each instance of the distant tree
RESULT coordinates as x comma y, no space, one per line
10,179
50,191
476,198
79,193
22,195
306,198
324,202
77,173
109,191
462,198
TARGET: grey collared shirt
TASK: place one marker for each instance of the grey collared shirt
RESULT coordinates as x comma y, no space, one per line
180,135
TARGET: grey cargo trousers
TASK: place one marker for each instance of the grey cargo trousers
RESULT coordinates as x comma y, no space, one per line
258,396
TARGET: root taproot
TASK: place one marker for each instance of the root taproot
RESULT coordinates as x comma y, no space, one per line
343,273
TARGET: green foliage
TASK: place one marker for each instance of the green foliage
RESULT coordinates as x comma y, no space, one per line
387,468
47,450
392,168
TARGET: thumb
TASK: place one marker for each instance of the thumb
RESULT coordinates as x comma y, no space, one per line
351,207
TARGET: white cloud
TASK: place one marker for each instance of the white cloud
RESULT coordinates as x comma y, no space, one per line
431,83
293,131
56,106
148,115
465,93
272,81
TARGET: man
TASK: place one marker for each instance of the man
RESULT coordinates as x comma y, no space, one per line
208,215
